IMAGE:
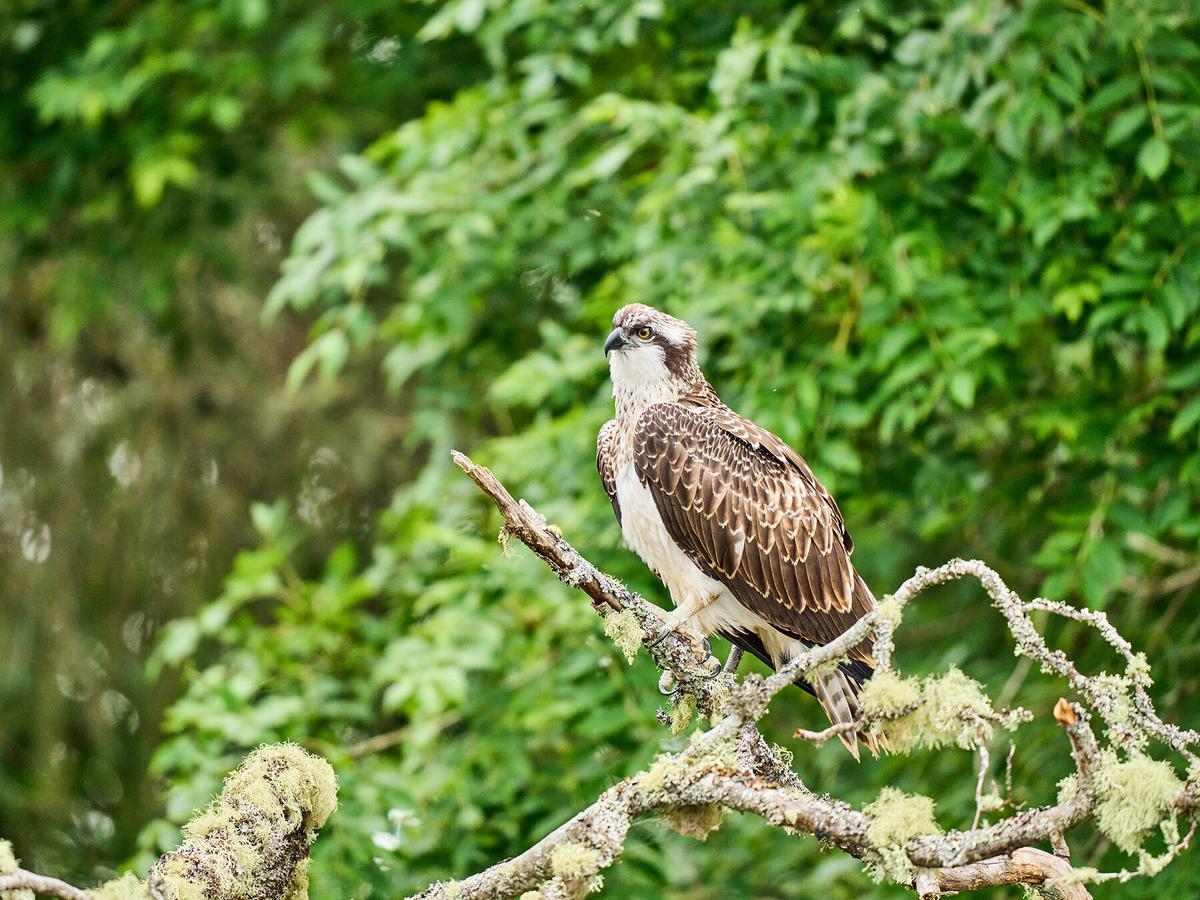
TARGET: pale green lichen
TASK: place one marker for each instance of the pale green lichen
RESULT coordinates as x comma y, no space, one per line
1117,689
721,755
695,821
624,631
1068,789
992,802
668,769
505,539
683,707
1139,668
1133,796
661,773
820,670
1150,865
951,710
298,889
887,694
720,690
531,895
574,861
954,711
784,755
8,860
1077,875
251,843
888,610
127,887
9,864
896,818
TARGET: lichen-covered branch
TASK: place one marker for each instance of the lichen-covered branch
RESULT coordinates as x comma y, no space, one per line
251,843
730,767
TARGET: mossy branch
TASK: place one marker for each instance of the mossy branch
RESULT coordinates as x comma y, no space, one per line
731,767
251,843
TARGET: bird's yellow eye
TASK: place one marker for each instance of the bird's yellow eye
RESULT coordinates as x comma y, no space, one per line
645,333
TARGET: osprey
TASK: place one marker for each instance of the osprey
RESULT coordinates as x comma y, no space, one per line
748,542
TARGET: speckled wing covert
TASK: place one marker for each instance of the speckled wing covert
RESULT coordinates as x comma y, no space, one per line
606,463
749,512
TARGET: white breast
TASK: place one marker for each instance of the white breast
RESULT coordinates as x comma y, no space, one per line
648,538
646,535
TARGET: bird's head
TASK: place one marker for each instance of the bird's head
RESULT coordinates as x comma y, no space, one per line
651,353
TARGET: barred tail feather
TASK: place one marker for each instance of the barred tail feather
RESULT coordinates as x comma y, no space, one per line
837,693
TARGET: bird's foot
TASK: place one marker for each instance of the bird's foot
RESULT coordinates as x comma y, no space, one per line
711,668
659,638
703,647
707,664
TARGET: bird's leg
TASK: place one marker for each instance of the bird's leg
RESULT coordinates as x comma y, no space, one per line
682,616
680,620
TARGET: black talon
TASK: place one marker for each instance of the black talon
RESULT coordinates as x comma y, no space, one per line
672,691
662,636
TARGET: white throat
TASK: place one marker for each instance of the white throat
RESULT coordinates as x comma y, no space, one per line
640,379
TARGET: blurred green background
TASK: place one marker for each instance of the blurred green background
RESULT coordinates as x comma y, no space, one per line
262,264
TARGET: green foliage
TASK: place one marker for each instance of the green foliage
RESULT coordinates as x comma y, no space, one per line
132,136
153,163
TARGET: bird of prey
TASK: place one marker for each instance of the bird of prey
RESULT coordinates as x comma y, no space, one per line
747,541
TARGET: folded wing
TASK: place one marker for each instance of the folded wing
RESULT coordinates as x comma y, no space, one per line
749,512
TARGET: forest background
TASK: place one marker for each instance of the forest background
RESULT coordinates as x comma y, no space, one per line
263,264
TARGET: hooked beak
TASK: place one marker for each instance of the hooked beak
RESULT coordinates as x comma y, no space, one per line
615,341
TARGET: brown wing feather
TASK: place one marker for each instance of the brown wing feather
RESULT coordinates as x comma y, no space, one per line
749,512
606,462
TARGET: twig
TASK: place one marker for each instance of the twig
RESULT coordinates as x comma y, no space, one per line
984,762
1028,865
379,742
820,737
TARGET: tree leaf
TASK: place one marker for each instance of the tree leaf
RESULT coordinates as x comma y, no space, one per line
1154,157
